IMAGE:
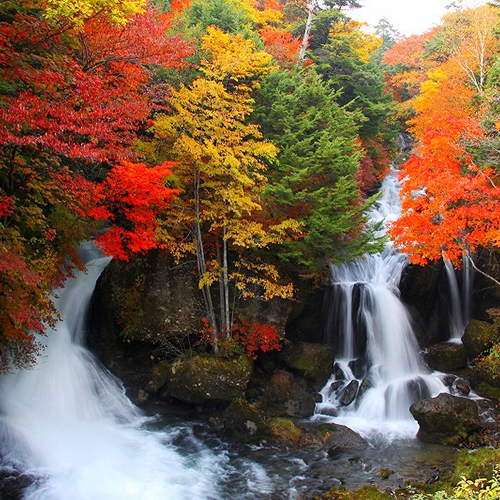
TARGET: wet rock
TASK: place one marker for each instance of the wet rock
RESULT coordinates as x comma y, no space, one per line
338,372
13,484
158,376
335,386
461,386
446,419
244,420
446,356
312,361
203,379
284,431
329,410
358,367
448,380
335,438
288,396
349,393
318,398
478,337
366,384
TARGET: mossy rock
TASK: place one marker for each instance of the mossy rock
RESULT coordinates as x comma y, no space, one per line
488,391
203,379
446,419
286,395
310,360
336,437
158,376
244,420
284,431
479,336
446,357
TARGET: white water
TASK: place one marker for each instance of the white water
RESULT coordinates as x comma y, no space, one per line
69,425
371,332
460,310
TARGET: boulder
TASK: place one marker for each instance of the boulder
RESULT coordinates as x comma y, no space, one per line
333,438
478,337
446,419
446,357
244,420
349,393
286,395
205,379
312,361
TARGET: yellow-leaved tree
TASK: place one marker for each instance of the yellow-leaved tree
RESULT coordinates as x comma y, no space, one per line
221,172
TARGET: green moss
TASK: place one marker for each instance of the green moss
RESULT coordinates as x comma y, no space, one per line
365,493
476,464
489,391
384,473
283,429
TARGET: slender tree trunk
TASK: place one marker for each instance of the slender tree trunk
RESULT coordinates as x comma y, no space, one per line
226,283
222,300
305,39
200,256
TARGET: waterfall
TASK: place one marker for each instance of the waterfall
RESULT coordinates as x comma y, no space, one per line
460,310
68,424
379,371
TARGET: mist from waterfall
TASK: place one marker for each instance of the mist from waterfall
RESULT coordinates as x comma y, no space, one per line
68,424
379,371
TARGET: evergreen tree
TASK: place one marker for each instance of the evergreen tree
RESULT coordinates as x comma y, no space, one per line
314,177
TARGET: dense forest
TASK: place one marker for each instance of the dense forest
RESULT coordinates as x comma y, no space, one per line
204,128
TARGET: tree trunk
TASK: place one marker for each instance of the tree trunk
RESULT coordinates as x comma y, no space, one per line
200,257
227,325
305,40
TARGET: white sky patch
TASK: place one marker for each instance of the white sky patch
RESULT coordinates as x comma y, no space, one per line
407,16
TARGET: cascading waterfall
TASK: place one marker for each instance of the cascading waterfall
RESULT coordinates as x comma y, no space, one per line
378,372
69,425
460,310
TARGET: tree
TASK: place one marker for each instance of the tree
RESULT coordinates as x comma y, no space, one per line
314,178
449,204
74,91
221,169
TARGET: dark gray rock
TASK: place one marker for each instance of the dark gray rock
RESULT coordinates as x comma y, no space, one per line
446,419
349,393
244,420
462,386
335,386
286,395
446,357
336,438
367,383
312,361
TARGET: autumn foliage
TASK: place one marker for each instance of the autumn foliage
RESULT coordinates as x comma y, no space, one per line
136,124
450,202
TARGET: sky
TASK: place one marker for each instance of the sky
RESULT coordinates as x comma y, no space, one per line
407,16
